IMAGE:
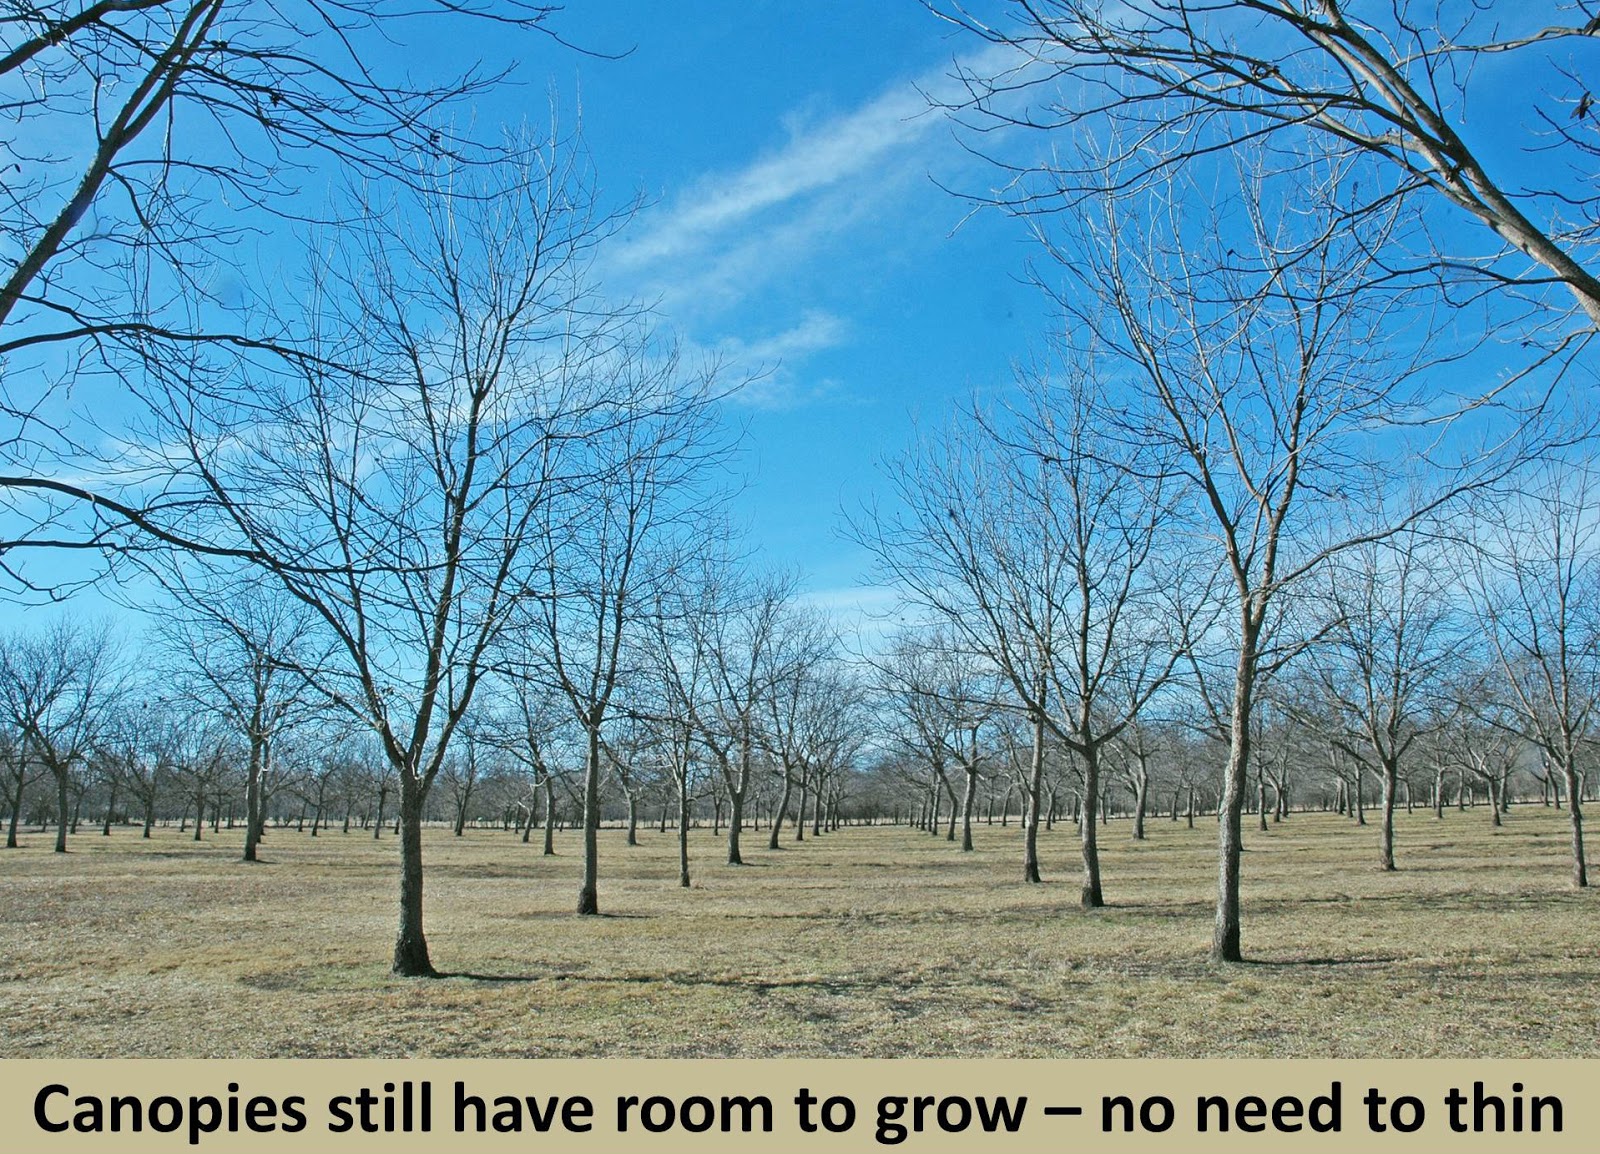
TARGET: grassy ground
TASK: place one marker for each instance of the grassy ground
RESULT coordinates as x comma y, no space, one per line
871,942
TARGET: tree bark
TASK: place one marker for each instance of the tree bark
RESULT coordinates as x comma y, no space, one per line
411,946
1030,853
1225,945
1090,897
252,798
589,892
1386,835
966,809
683,830
62,816
1580,870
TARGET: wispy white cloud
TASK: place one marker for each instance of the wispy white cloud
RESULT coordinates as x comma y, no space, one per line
857,144
730,237
817,330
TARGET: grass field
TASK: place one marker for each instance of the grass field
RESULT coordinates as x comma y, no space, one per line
875,942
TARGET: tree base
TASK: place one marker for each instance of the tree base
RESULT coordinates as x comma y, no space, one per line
411,961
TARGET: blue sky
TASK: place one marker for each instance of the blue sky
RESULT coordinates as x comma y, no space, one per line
789,159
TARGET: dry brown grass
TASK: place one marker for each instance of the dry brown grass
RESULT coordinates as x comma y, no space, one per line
873,942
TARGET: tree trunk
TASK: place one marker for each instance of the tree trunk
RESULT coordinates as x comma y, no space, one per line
683,830
410,945
1090,897
1030,853
1580,871
1141,799
783,810
16,809
589,893
1225,940
549,816
252,798
633,819
111,808
735,820
966,809
1386,835
62,815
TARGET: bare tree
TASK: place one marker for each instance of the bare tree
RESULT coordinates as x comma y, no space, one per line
742,636
1537,592
1033,537
1383,666
606,544
400,501
678,661
804,709
242,652
58,688
1250,340
21,770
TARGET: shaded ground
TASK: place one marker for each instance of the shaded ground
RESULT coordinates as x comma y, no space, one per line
872,942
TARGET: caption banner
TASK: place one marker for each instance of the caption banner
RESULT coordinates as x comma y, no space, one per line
790,1105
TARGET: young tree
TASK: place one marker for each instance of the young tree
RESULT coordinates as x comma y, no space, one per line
1382,668
1248,339
605,544
742,634
395,484
1537,594
58,689
1033,537
243,652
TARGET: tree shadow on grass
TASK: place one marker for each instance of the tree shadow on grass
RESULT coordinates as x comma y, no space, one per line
1292,963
